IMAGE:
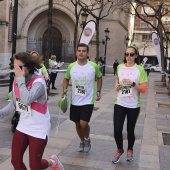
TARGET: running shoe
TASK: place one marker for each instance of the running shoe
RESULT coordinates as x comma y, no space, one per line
87,145
129,156
57,165
117,156
81,147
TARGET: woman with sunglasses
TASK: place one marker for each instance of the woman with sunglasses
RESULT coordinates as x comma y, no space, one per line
30,100
131,81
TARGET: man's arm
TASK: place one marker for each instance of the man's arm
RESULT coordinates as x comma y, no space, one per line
65,86
99,86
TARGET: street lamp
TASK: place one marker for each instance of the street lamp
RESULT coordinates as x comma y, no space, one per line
14,38
84,16
167,33
126,40
145,46
107,39
167,43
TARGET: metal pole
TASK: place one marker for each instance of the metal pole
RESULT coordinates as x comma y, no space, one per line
14,38
48,52
105,57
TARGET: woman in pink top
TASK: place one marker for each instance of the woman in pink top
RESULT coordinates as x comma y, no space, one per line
30,100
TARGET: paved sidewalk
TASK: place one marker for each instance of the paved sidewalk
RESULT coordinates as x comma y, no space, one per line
150,153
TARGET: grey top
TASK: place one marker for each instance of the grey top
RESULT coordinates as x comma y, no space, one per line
36,93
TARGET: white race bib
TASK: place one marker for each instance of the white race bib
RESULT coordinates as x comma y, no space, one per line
125,91
22,108
80,91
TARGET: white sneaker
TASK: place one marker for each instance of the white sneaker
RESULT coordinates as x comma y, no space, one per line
87,145
57,165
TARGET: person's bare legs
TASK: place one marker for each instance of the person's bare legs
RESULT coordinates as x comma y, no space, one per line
83,131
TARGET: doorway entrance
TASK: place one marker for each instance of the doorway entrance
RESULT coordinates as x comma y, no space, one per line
56,42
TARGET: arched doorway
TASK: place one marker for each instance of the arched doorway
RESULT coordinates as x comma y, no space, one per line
56,42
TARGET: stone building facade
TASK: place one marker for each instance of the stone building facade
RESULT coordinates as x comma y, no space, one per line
33,24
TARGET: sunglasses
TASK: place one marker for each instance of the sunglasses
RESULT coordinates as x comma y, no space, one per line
21,67
129,54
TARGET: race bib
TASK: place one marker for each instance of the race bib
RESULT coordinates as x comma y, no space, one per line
80,91
22,108
125,91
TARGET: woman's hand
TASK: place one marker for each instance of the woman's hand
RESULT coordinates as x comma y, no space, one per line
19,71
117,87
127,82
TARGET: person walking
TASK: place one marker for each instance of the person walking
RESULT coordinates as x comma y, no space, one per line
30,100
148,68
83,73
131,81
115,64
53,74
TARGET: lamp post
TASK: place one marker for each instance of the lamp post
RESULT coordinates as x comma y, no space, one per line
145,46
107,39
126,40
167,43
14,38
84,16
50,12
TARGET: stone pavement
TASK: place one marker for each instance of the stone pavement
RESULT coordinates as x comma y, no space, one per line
150,153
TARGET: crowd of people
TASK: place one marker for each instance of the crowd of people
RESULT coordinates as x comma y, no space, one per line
29,97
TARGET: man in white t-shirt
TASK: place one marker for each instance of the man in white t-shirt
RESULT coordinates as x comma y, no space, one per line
83,74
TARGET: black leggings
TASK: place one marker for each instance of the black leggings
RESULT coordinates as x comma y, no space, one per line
120,113
52,79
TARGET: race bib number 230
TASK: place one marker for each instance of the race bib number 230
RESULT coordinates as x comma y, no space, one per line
80,91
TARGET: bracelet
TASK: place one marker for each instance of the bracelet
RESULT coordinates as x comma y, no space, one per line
65,91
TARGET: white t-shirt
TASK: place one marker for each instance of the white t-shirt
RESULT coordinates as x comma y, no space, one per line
128,96
83,82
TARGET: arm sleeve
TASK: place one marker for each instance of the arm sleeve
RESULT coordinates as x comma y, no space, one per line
10,108
43,68
144,87
98,72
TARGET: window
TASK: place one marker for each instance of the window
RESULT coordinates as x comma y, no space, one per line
147,10
166,21
145,25
146,37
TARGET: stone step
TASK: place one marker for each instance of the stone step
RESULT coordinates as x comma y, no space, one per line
4,75
4,84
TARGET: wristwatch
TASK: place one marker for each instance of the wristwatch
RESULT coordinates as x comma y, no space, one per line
133,84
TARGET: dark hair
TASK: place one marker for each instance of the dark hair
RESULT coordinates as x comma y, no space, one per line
29,61
83,45
136,52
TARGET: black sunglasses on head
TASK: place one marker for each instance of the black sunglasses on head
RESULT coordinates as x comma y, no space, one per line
129,54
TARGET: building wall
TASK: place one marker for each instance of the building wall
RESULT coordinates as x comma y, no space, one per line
32,23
